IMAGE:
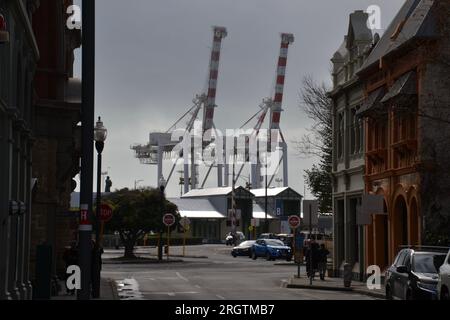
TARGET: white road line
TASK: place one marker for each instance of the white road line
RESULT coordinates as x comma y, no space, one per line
181,277
220,297
197,286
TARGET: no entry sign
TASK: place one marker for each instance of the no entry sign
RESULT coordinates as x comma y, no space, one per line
169,219
294,222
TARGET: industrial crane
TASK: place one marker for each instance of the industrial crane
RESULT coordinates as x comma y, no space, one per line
275,106
160,143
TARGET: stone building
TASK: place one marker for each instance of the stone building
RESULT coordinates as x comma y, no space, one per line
406,82
56,150
18,58
348,144
39,111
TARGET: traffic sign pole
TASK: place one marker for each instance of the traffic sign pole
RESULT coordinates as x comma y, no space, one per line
168,242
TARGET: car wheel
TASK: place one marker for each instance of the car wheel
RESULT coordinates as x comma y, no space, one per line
268,256
254,255
233,254
444,294
388,293
289,259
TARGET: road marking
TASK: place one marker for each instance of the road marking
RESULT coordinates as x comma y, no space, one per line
220,297
197,286
181,277
172,294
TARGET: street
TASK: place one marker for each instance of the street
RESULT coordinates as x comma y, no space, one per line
218,277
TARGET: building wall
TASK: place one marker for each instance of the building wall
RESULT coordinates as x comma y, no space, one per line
348,149
56,149
408,159
17,65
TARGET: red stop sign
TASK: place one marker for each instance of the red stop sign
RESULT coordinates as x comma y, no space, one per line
169,219
294,221
105,212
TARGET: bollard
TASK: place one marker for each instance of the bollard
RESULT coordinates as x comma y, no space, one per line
347,275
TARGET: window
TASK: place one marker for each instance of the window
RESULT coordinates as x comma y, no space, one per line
400,257
341,135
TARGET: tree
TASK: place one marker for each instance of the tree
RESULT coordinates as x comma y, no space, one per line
317,105
137,212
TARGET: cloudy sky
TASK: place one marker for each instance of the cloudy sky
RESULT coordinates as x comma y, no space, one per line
152,58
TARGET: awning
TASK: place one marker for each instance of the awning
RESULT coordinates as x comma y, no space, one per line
372,102
201,214
406,85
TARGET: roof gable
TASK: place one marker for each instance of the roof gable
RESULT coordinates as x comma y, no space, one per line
414,20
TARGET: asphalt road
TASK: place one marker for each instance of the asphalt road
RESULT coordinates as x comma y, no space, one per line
218,277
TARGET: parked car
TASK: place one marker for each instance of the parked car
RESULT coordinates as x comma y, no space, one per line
271,249
233,241
267,236
243,249
414,274
286,238
443,286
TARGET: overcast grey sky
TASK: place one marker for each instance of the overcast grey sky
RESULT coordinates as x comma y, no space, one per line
152,58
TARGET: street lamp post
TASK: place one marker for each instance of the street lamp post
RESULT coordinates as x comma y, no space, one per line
266,225
100,134
86,174
162,188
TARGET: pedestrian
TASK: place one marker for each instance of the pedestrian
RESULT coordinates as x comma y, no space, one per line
70,258
312,258
323,255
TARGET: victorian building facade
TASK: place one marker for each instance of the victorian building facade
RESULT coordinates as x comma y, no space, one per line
39,111
406,113
18,58
348,145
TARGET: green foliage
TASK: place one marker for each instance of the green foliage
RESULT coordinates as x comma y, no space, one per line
137,212
317,105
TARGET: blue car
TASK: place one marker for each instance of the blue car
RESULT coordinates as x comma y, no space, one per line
271,249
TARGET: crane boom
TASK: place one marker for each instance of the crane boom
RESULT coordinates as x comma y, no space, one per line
210,104
275,113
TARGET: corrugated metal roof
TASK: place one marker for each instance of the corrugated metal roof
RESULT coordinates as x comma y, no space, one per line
208,192
271,192
201,214
196,208
414,20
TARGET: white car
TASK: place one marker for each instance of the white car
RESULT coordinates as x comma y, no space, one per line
443,286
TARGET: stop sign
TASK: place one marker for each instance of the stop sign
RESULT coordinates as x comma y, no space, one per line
105,212
294,221
169,219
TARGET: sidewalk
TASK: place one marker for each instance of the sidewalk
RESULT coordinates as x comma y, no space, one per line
108,291
334,284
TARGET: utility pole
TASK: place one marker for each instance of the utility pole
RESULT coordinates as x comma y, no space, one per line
87,158
266,225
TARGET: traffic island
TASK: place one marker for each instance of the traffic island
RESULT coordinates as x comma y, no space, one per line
333,284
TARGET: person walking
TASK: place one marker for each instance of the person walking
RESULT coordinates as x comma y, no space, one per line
312,258
323,255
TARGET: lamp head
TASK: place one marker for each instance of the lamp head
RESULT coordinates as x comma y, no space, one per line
100,132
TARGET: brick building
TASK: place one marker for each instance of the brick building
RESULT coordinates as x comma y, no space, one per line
406,81
39,111
56,150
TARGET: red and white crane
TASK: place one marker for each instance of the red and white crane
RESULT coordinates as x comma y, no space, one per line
160,142
275,106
